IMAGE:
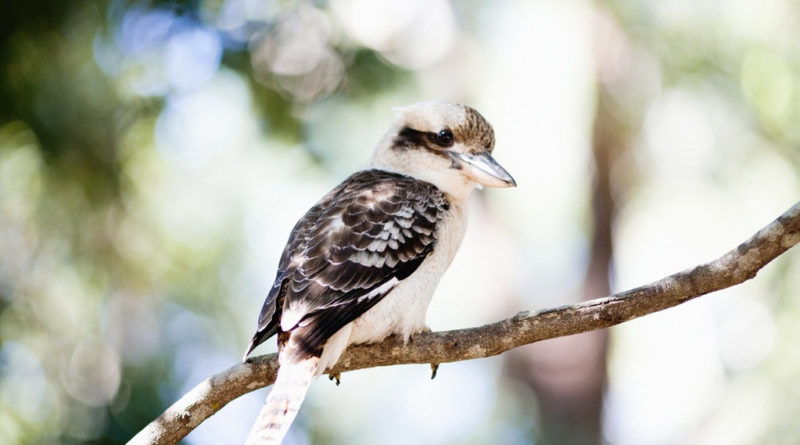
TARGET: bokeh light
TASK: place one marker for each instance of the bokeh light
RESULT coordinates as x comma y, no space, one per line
154,157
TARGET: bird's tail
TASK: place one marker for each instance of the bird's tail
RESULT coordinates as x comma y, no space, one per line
284,400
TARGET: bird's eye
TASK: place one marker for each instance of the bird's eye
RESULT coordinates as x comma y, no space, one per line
445,138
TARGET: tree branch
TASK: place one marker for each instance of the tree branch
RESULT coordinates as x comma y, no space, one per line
735,267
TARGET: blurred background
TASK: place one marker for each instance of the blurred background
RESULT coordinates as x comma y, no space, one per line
155,155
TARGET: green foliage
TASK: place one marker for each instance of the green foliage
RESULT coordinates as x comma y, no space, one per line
81,195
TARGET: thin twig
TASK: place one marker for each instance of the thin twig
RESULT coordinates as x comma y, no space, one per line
735,267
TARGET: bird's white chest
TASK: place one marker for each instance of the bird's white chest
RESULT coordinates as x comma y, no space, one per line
403,310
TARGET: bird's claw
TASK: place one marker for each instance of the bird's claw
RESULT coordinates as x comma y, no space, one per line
425,330
434,369
337,377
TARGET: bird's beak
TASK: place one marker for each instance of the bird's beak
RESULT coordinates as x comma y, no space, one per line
483,169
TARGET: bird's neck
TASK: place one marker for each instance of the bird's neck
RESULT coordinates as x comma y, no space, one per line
424,166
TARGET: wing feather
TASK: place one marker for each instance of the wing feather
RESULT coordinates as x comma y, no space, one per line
349,251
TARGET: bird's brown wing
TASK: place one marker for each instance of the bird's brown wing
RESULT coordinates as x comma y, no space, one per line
348,252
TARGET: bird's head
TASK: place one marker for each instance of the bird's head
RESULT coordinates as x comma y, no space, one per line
449,145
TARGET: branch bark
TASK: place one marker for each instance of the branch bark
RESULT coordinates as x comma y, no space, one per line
732,268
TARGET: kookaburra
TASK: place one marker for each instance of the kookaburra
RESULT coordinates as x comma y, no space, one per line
363,263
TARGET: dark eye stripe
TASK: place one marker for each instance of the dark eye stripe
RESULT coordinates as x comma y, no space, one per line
408,137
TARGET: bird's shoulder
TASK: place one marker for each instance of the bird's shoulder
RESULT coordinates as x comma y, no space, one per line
369,205
357,243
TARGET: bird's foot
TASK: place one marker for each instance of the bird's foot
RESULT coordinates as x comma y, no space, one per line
425,330
336,376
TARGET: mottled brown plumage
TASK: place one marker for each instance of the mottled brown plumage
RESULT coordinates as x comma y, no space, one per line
476,132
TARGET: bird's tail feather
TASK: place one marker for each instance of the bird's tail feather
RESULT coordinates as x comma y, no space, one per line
283,402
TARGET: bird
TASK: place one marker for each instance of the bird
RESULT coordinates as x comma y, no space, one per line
363,263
